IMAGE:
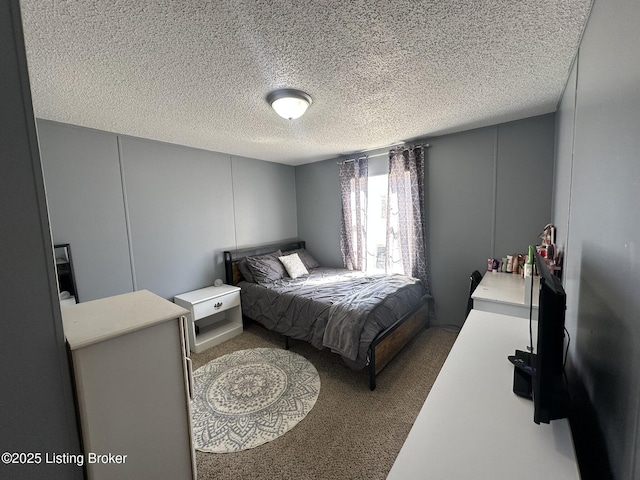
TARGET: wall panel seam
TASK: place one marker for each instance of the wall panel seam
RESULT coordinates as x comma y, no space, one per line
127,218
233,203
572,159
495,195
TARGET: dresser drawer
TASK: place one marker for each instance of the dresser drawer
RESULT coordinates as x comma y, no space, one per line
216,305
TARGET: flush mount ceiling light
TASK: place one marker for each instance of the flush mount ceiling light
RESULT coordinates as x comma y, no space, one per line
289,103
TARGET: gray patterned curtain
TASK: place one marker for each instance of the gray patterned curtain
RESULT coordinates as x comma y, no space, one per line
406,246
353,184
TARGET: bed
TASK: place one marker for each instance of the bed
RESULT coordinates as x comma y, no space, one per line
366,319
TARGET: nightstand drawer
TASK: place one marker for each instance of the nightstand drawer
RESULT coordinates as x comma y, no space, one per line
216,305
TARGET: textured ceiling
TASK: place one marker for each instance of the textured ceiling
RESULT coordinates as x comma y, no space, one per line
197,73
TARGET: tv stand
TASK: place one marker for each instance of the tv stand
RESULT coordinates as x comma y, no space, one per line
473,426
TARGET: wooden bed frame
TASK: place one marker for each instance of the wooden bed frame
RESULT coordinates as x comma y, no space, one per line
385,346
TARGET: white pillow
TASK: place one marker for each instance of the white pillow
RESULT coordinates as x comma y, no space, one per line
294,266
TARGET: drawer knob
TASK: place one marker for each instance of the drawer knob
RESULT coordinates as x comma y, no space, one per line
217,305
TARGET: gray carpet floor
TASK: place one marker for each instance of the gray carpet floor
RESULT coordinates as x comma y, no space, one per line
351,433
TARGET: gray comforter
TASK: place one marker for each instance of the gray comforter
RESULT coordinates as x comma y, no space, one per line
334,308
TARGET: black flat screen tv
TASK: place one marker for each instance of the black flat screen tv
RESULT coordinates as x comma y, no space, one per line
550,393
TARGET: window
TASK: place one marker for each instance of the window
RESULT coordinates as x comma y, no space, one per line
383,226
377,224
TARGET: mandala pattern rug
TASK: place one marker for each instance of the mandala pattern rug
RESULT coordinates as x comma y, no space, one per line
250,397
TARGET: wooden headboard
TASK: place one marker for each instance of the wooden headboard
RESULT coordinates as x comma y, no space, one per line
232,257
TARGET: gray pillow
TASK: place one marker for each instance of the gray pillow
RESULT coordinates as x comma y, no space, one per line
244,270
266,268
305,256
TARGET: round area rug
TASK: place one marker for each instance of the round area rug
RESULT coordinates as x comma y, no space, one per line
250,397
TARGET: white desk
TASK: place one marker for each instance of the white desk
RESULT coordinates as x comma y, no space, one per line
472,425
505,293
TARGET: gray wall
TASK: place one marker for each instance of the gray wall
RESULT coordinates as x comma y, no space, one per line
524,183
36,397
489,195
597,204
460,223
141,214
179,204
264,202
319,206
84,192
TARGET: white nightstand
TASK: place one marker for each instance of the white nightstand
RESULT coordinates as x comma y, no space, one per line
214,313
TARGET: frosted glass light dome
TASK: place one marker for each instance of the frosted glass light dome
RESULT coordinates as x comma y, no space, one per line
289,103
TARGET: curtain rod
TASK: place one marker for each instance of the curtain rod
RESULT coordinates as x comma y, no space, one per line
363,154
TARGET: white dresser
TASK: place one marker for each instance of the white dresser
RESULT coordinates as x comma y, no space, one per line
133,377
214,315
